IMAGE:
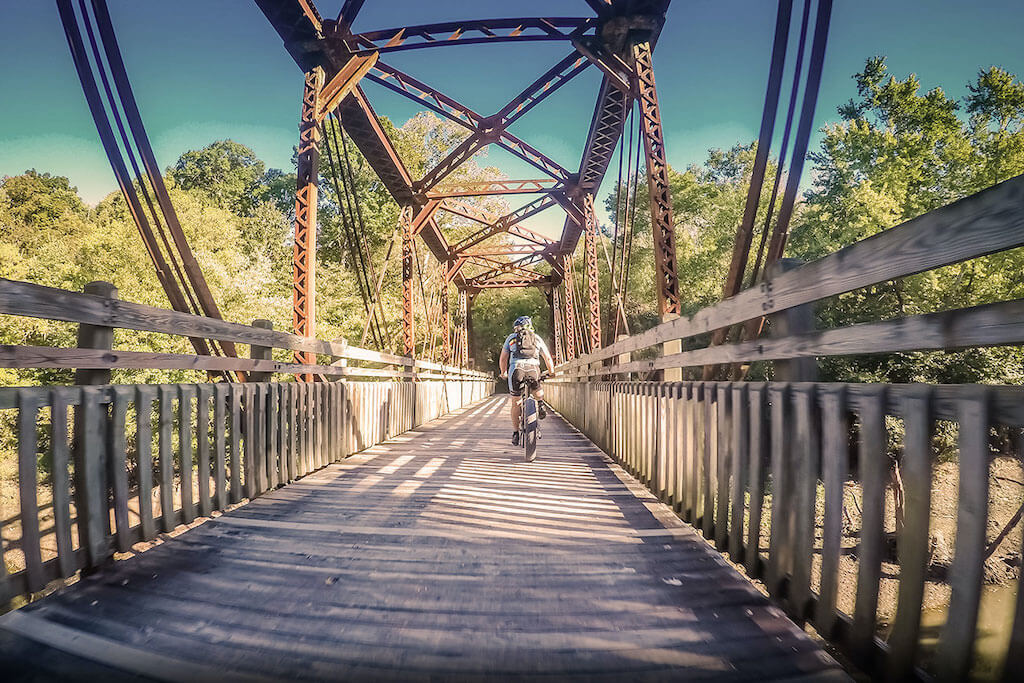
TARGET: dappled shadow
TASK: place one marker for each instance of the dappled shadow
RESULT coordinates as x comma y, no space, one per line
438,554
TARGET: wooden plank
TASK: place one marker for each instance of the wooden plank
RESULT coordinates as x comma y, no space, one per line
166,455
984,223
293,431
759,445
187,393
778,543
739,467
144,397
60,399
913,541
117,465
90,494
996,324
722,465
956,644
805,467
204,392
50,357
248,469
696,448
273,445
220,400
834,456
874,470
709,455
37,301
236,443
28,489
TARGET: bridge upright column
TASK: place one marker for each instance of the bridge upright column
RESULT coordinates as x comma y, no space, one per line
408,331
667,276
568,318
593,292
554,302
464,332
306,191
446,324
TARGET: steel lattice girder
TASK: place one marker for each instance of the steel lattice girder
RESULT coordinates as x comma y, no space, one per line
304,250
605,40
471,32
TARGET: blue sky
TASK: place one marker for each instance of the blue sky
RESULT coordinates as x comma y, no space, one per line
211,69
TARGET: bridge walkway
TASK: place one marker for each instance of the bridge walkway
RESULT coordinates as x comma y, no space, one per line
437,555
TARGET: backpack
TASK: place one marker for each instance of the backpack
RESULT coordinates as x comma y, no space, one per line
526,344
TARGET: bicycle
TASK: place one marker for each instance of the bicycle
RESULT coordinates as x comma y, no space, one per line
529,424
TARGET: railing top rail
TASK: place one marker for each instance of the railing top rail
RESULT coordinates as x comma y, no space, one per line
984,223
38,301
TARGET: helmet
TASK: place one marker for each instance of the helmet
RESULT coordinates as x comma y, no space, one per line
523,321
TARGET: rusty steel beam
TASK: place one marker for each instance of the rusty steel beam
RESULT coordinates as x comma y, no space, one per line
342,84
556,325
490,129
540,281
307,45
464,336
408,331
446,326
306,190
593,293
423,94
471,32
568,315
667,275
508,223
348,12
504,250
495,187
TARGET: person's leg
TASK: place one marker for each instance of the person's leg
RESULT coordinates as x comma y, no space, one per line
517,411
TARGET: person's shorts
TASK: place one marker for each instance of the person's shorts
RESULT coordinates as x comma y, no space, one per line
524,373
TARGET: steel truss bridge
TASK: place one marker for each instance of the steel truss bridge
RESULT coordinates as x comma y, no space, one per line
323,511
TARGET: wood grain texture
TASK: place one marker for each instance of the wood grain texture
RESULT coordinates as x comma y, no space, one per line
437,555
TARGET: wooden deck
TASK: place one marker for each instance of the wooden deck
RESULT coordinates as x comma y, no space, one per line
438,555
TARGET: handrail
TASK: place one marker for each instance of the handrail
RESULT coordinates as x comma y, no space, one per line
49,303
984,223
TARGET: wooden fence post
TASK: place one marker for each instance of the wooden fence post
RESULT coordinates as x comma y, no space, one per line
261,352
92,434
792,321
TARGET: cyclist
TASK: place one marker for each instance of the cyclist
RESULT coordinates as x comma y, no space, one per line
520,362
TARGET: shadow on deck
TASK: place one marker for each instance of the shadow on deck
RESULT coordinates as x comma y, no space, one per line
438,555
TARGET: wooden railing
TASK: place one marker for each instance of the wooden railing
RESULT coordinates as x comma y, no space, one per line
761,467
101,468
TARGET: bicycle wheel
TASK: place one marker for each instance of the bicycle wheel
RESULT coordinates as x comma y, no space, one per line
530,428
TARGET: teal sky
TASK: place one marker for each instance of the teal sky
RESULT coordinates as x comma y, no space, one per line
210,69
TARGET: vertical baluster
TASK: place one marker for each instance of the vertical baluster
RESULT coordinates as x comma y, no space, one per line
722,465
203,448
912,543
778,560
236,443
834,455
874,469
284,470
185,448
273,452
709,455
759,444
220,398
28,486
956,645
249,441
695,446
61,398
805,489
117,462
739,452
166,460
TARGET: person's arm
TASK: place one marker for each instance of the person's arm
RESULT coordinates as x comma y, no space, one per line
546,355
503,362
549,360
